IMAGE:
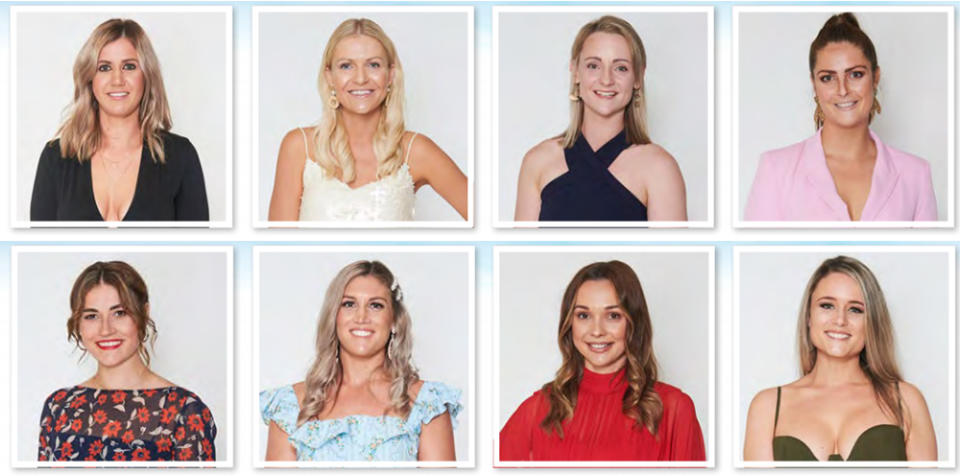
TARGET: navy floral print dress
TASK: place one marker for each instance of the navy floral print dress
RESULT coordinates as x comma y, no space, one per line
162,424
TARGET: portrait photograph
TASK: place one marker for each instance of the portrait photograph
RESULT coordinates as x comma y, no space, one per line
130,122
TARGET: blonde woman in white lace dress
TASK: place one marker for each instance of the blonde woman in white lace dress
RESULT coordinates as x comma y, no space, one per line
359,163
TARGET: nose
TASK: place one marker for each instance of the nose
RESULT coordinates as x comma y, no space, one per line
842,86
596,327
607,76
106,326
116,76
361,315
361,75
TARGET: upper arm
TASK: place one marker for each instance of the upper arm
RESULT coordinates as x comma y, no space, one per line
666,192
921,439
430,165
279,447
43,201
528,184
763,201
436,439
288,181
191,199
758,436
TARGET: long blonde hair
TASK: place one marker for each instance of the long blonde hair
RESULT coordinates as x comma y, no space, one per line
635,115
323,378
877,359
330,137
640,401
79,133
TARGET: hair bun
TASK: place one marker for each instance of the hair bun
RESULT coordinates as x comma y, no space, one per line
842,19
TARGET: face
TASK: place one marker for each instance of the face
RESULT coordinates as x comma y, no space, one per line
844,84
605,74
360,74
838,316
599,327
118,81
365,317
107,331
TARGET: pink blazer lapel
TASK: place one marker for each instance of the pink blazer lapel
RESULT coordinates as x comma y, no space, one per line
884,181
813,166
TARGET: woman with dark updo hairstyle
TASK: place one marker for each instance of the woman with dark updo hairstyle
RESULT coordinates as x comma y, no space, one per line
844,172
605,403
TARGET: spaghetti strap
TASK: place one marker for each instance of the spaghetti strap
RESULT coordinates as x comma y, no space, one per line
776,416
406,157
306,146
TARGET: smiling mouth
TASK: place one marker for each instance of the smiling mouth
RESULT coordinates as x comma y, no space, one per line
109,344
361,92
846,105
837,335
118,95
361,332
600,347
605,94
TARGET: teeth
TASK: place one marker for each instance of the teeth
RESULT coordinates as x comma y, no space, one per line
361,92
606,94
838,335
599,346
846,104
117,95
361,333
109,343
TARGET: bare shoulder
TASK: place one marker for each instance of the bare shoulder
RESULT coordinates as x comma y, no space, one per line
764,402
544,153
293,145
652,156
414,389
300,390
912,396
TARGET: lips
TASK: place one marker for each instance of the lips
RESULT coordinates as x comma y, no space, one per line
361,92
109,344
605,94
845,106
600,347
361,332
837,335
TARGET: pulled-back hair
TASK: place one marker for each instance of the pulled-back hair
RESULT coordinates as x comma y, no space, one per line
844,28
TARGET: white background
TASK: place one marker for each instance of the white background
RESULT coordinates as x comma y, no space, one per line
534,82
776,95
191,48
188,303
436,294
433,52
918,295
676,286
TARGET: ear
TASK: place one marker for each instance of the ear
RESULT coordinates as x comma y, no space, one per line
328,76
639,82
393,74
876,78
573,70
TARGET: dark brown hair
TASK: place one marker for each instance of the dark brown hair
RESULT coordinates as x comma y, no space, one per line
843,28
133,296
640,401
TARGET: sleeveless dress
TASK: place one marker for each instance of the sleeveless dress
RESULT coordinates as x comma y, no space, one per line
588,191
359,437
326,198
882,442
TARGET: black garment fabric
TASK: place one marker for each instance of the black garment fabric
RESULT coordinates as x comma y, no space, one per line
171,191
588,191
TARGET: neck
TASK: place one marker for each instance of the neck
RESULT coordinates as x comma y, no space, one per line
360,127
832,371
359,371
598,130
852,143
132,374
120,132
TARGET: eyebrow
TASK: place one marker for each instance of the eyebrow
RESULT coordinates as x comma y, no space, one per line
134,60
378,58
599,59
612,306
845,71
835,299
90,309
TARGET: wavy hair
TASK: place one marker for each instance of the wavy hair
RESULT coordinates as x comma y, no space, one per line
877,359
133,296
640,401
331,147
635,116
323,378
80,133
844,28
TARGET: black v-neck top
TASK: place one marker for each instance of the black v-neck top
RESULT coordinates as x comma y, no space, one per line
588,191
171,191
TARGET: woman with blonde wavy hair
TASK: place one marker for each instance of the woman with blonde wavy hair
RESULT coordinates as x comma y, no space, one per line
360,163
605,402
362,399
604,167
114,157
851,403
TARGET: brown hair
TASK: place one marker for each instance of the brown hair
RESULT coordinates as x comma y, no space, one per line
877,359
133,296
844,28
640,401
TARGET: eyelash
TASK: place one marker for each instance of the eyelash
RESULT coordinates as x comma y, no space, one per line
854,74
376,305
103,68
829,306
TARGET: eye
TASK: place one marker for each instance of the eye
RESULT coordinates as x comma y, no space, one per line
826,305
615,315
121,312
377,305
826,78
581,315
856,310
348,303
344,66
89,317
593,66
374,64
623,69
857,74
103,68
130,66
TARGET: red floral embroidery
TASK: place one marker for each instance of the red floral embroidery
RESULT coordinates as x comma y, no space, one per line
164,444
127,437
168,414
186,453
149,393
76,424
194,422
180,434
118,456
100,416
119,396
206,415
77,402
66,449
96,447
207,447
172,397
143,415
61,422
60,395
91,457
112,429
141,454
102,398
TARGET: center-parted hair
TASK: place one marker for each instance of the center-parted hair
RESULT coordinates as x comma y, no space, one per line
635,115
330,145
325,374
640,401
133,297
877,359
80,133
844,28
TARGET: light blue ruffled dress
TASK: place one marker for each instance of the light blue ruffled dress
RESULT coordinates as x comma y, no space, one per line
359,437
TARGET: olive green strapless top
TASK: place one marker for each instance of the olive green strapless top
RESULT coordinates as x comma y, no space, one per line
883,442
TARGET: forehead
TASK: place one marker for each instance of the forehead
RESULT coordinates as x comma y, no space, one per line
121,48
840,53
596,291
838,285
366,285
606,45
101,293
358,46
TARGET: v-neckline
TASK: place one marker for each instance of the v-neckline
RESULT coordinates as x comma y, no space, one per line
136,188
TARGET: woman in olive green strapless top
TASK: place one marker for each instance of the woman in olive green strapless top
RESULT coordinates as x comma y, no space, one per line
850,376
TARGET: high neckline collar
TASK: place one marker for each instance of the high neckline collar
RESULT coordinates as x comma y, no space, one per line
603,383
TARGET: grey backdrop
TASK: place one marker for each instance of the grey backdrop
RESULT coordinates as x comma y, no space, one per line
776,97
188,302
531,285
534,82
918,296
433,51
435,291
192,49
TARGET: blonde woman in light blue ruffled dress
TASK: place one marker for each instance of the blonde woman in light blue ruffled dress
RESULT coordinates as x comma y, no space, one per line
362,399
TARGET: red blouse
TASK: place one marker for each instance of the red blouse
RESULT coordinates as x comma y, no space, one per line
599,430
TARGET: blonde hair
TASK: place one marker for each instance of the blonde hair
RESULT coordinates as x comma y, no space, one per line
330,137
877,359
323,379
635,120
79,133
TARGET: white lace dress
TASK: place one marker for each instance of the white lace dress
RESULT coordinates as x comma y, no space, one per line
326,198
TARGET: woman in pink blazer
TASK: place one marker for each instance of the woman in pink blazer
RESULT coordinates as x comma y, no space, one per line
844,172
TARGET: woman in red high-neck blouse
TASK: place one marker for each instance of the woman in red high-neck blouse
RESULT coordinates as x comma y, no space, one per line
605,403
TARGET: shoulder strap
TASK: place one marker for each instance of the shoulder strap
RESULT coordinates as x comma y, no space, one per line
900,405
306,144
406,157
776,416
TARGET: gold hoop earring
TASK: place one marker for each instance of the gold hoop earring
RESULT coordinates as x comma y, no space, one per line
333,102
817,114
573,94
877,108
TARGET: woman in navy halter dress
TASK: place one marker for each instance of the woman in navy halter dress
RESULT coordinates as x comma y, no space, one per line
604,167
